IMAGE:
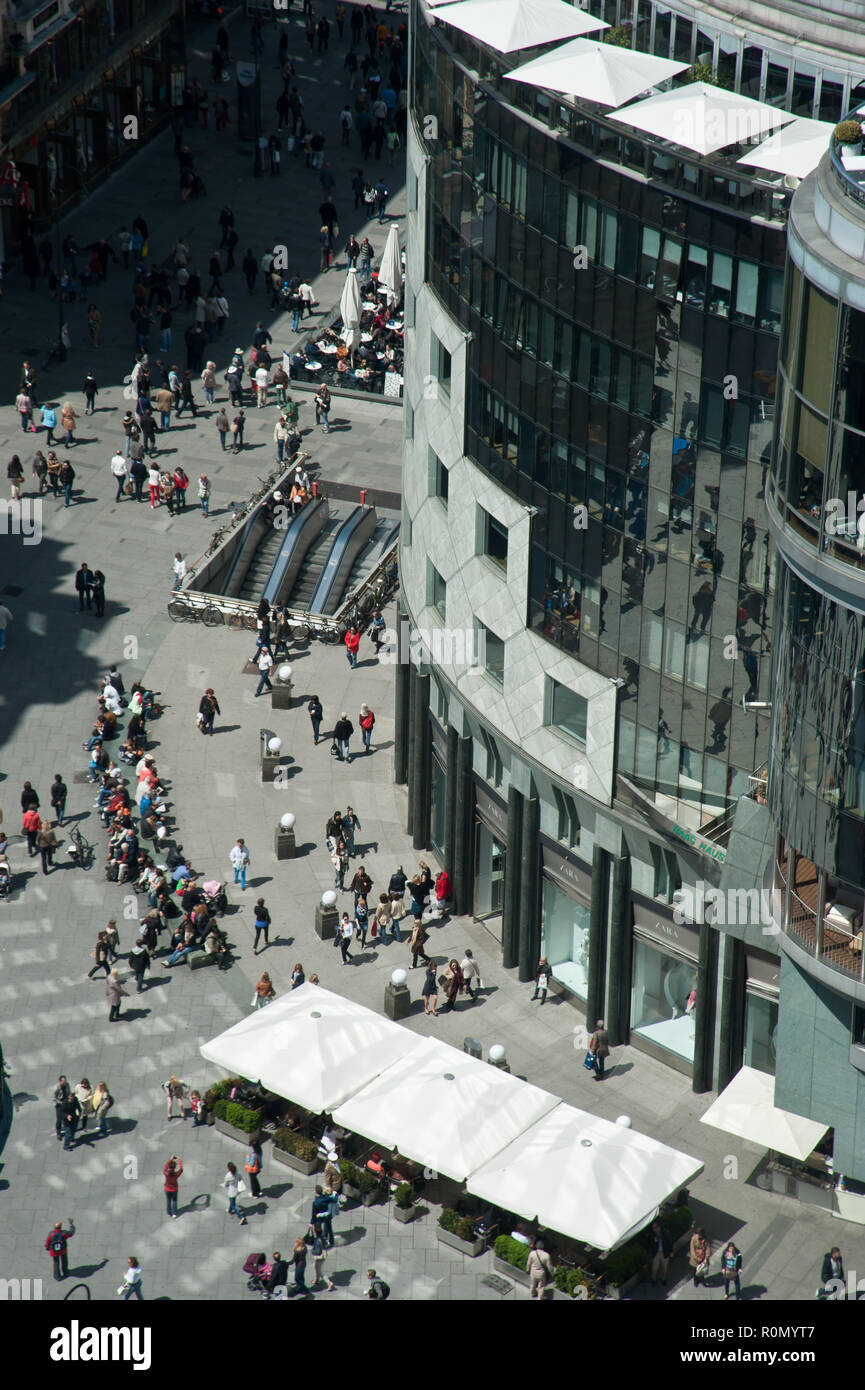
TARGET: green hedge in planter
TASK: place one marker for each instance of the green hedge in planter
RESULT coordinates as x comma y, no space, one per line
570,1280
238,1116
513,1252
365,1181
221,1091
461,1226
349,1172
625,1263
679,1221
292,1143
404,1196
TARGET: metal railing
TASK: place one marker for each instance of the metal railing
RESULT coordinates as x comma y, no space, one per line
827,941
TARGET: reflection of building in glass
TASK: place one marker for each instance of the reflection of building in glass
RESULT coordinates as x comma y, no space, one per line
592,328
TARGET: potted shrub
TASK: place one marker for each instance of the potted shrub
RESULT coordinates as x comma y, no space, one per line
221,1090
369,1186
237,1121
350,1179
404,1208
295,1151
625,1269
459,1233
849,136
574,1283
509,1257
679,1223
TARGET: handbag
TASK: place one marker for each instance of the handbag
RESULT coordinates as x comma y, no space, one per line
589,1062
334,751
702,1268
129,489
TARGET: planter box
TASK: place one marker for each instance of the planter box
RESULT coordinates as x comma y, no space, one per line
300,1165
629,1285
353,1193
472,1248
239,1134
369,1199
519,1276
404,1213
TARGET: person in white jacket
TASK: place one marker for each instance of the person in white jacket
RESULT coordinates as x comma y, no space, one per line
131,1287
469,967
233,1185
239,857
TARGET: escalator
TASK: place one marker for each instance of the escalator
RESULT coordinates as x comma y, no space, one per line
314,562
260,566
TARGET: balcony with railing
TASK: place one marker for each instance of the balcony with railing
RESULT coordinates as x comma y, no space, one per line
821,915
848,162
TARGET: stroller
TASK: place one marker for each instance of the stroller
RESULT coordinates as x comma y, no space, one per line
215,897
5,879
259,1271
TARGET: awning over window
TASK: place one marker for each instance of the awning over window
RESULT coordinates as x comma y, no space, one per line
747,1109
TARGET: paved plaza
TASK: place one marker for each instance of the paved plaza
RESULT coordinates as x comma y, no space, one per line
54,1020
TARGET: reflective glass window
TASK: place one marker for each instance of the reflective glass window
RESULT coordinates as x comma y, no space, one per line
776,84
746,292
607,240
721,284
696,274
683,40
830,100
770,298
802,102
819,348
650,251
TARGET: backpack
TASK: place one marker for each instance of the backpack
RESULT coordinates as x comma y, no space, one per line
383,1288
58,1243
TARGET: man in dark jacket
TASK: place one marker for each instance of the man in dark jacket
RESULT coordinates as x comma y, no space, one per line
71,1116
139,961
84,585
397,884
138,472
662,1249
321,1216
278,1275
61,1094
342,732
360,885
831,1270
599,1046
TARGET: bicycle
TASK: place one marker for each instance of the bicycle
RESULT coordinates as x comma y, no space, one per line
181,611
80,849
216,540
212,615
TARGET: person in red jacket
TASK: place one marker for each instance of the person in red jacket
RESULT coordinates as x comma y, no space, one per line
171,1172
444,891
352,642
31,824
55,1244
366,720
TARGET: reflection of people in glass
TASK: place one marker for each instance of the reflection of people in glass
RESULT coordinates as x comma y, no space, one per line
691,1005
701,603
720,716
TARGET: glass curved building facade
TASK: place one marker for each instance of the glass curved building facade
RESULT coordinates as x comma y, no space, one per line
593,319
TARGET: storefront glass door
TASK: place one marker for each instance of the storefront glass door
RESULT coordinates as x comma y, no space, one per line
489,873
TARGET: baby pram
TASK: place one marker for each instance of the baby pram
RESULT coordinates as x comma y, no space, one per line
259,1271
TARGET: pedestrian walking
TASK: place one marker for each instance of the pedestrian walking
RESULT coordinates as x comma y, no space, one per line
344,936
430,989
342,732
352,642
239,857
56,1245
233,1187
542,979
366,720
662,1249
249,267
120,471
237,425
84,1096
731,1268
417,941
131,1286
100,956
599,1047
71,1116
350,824
99,593
58,797
264,992
316,714
46,841
15,474
318,1250
90,390
253,1168
832,1279
298,1259
139,962
84,585
170,1181
61,1093
31,824
102,1103
204,493
179,568
455,984
378,1290
208,708
68,421
539,1268
114,992
471,972
261,918
265,661
699,1252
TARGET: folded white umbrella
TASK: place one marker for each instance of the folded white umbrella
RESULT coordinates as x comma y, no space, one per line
349,308
507,25
584,1177
390,270
746,1108
598,72
444,1109
311,1046
795,149
703,118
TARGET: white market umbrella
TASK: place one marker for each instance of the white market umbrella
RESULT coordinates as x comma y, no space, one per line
390,270
794,150
311,1046
599,72
703,118
444,1109
350,309
507,25
747,1109
584,1177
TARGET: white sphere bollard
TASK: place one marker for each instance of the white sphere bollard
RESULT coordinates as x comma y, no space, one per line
328,899
624,1121
287,821
274,745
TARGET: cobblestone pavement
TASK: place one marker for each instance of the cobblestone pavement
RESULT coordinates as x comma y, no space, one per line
55,1020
